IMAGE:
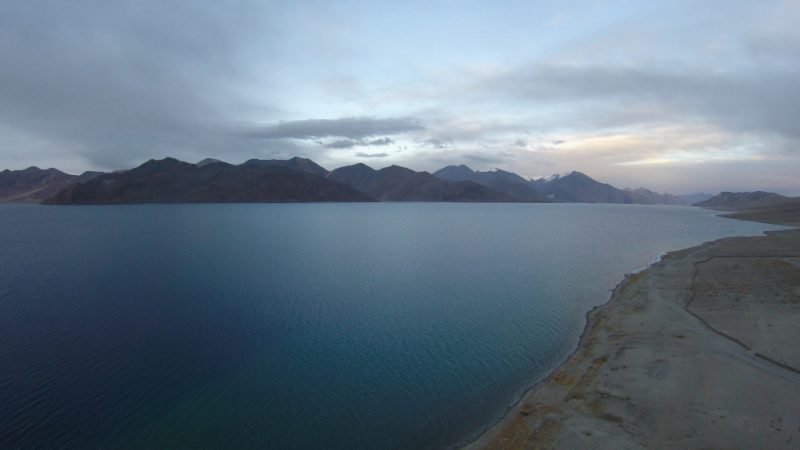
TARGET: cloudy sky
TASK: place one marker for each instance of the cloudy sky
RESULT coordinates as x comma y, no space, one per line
678,96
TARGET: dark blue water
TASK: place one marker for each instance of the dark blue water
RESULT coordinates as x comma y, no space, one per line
301,325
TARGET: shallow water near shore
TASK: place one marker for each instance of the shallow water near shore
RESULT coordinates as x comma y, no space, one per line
389,325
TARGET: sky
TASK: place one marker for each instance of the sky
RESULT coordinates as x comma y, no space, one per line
676,96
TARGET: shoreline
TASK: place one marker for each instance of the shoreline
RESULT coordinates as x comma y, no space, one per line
581,402
477,442
485,437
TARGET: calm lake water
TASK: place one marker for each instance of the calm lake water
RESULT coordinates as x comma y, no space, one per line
389,325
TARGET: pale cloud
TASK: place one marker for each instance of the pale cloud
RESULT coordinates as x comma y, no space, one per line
348,127
349,143
620,96
371,155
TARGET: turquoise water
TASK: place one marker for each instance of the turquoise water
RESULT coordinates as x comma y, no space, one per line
391,325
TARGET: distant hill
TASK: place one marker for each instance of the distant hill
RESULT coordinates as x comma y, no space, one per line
648,197
34,184
574,187
744,200
577,187
397,183
580,188
758,206
691,199
171,181
507,183
302,164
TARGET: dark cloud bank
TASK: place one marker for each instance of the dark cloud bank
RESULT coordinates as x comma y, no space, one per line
118,82
108,85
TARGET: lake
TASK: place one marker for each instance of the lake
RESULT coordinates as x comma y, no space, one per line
341,326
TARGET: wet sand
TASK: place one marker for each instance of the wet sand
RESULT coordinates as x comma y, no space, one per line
698,351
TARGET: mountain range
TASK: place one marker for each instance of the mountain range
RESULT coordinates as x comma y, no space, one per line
301,179
577,187
172,181
395,183
34,184
508,183
574,187
302,164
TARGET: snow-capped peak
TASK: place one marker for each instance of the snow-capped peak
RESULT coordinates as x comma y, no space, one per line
557,176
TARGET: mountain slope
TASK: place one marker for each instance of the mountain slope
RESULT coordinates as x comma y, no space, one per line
648,197
32,184
507,183
397,183
302,164
172,181
579,188
207,161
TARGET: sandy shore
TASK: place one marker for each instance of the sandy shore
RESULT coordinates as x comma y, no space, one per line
701,350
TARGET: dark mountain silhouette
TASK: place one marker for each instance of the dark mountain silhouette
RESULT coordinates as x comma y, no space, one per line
787,213
573,187
302,164
301,179
397,183
507,183
172,181
456,173
34,184
757,206
745,200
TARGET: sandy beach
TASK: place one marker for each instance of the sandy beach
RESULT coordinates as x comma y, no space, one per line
697,351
